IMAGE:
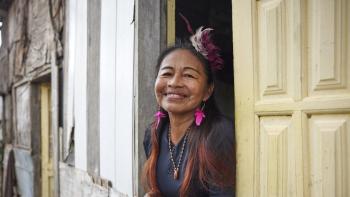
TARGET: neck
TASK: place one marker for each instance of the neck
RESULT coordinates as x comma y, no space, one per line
179,125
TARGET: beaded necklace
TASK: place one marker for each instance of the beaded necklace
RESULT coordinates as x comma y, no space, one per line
171,149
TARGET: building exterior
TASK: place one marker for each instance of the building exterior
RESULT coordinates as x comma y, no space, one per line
76,92
68,94
31,54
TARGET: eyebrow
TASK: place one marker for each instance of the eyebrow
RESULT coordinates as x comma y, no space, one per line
186,68
167,67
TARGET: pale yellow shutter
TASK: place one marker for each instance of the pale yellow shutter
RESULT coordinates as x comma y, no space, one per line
292,93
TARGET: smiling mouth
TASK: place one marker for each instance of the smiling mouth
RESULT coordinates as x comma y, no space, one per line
174,96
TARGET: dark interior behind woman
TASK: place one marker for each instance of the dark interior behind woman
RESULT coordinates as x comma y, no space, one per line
190,145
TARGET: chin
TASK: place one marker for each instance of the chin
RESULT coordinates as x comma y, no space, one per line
177,110
172,109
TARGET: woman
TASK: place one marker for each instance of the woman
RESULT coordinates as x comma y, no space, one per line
189,147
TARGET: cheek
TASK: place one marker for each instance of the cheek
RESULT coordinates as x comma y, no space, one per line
158,87
200,91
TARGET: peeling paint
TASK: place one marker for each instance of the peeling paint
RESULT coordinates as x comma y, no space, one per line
78,183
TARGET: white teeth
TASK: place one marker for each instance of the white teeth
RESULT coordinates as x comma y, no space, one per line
174,95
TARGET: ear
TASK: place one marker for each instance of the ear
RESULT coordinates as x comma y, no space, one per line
209,92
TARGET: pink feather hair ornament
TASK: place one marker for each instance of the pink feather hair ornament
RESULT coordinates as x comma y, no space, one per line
202,42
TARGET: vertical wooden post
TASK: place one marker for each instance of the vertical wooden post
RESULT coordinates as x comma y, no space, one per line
46,150
244,102
170,22
54,122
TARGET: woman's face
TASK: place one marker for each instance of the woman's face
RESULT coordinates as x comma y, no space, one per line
181,84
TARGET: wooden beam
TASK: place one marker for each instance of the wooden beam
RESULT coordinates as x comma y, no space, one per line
54,121
150,30
93,87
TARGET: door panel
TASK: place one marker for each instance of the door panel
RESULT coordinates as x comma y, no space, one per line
329,140
278,147
328,35
292,97
277,37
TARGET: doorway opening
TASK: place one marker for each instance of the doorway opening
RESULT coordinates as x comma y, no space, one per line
216,15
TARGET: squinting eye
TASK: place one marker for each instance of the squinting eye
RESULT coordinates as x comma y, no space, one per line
189,75
166,74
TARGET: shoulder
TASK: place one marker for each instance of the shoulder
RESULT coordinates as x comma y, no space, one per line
223,129
147,141
220,147
147,136
225,123
220,140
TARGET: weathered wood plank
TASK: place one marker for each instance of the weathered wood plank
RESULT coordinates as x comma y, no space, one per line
93,86
151,34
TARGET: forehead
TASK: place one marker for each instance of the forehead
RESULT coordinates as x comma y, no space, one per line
182,58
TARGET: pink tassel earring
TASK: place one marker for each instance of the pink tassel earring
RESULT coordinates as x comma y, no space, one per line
199,115
159,115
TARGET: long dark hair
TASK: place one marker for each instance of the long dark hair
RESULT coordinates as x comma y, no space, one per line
204,165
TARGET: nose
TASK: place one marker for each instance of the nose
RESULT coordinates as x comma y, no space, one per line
175,81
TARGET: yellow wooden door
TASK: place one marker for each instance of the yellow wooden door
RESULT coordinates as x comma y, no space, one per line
46,142
292,97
